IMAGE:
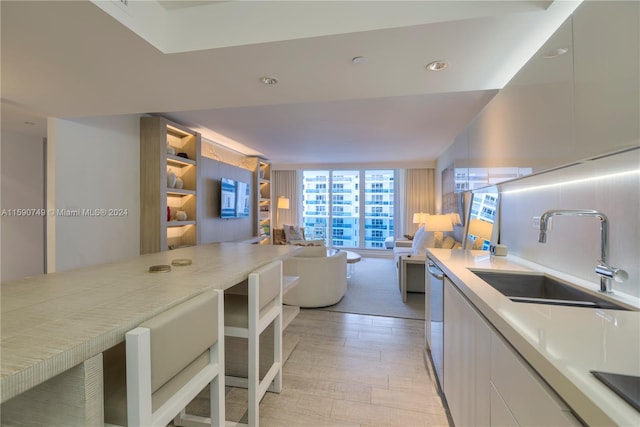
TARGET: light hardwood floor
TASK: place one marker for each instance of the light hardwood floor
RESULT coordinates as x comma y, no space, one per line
351,370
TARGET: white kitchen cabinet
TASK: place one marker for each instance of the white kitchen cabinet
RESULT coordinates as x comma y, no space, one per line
486,382
500,413
467,364
606,54
528,397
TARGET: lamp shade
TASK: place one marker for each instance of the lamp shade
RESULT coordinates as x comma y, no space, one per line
438,223
420,217
283,202
480,228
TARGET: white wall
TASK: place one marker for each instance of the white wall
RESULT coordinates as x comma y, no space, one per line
573,243
22,188
94,163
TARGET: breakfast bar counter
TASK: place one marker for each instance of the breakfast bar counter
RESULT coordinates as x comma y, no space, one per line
59,322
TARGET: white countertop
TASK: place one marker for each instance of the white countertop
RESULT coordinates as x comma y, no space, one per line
53,322
563,344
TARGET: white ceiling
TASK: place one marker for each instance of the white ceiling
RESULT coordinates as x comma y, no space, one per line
72,59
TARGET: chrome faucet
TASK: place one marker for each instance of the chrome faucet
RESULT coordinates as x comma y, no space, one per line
605,271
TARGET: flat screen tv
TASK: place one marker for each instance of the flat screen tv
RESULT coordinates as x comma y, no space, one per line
227,198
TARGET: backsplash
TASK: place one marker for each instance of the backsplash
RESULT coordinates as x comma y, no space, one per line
610,185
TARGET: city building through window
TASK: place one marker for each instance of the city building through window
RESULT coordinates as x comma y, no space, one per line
358,212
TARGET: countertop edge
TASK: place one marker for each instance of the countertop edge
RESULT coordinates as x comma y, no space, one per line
588,409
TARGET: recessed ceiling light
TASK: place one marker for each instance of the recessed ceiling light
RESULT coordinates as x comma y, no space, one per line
269,80
555,53
437,65
360,60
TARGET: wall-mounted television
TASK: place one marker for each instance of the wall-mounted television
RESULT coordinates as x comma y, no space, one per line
235,199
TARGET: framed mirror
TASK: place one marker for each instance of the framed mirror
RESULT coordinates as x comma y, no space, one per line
482,218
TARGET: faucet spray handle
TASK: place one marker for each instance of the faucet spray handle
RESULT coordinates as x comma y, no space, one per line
615,273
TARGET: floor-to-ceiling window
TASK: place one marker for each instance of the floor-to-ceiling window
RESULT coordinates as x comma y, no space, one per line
378,212
349,208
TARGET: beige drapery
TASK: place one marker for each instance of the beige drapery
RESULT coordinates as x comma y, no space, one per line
285,183
419,196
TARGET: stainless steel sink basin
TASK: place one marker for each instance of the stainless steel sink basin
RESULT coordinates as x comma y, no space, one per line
543,289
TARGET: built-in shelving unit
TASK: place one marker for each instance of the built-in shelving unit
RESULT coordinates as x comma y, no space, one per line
168,148
262,193
264,201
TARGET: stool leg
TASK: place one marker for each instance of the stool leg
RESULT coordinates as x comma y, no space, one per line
253,379
277,352
253,373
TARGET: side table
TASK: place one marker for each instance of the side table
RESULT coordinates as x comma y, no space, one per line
405,261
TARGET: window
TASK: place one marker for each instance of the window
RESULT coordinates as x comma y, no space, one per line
361,211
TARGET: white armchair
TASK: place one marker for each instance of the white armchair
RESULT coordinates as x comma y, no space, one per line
323,279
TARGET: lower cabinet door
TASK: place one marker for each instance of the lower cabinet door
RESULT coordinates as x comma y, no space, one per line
529,399
467,365
500,413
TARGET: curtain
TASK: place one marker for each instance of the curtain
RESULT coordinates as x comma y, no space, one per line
285,183
419,192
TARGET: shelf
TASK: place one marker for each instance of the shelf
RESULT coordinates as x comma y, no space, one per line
289,312
180,223
179,161
288,283
180,192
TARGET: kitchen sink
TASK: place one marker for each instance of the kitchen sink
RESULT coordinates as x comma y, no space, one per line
543,289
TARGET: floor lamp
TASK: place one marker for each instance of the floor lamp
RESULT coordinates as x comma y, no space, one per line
283,203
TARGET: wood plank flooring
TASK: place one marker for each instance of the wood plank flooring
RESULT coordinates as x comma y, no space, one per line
351,370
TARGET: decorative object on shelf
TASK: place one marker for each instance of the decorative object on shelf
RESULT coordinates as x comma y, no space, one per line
181,215
162,268
171,151
171,179
183,155
179,183
168,213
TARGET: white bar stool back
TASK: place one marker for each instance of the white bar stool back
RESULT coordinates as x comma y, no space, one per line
170,359
247,317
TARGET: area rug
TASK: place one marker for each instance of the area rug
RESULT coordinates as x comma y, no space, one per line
373,289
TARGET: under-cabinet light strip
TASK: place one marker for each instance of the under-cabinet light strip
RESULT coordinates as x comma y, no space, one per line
575,181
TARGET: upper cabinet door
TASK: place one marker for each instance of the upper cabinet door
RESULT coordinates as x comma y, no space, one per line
607,76
529,124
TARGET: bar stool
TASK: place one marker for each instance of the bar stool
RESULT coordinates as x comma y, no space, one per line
247,317
170,359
